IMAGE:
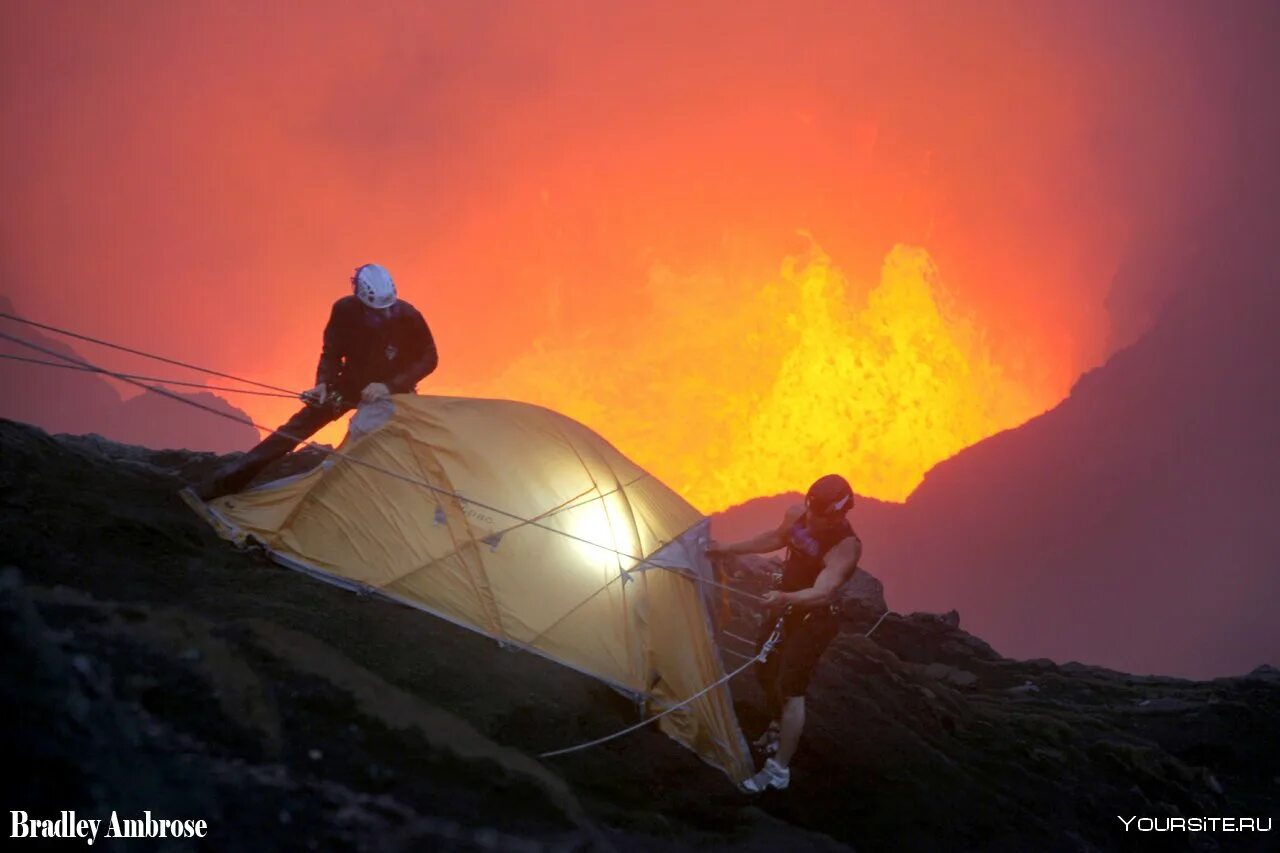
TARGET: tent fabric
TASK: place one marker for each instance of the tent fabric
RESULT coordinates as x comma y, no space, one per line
534,530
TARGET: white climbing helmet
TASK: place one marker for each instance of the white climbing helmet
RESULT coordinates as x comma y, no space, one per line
374,287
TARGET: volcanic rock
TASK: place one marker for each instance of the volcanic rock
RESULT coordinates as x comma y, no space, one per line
164,670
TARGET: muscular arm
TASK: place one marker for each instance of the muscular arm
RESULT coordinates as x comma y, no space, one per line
764,543
422,366
839,565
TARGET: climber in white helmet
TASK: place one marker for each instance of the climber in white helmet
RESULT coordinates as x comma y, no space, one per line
375,344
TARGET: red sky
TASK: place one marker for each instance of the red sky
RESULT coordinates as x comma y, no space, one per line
199,179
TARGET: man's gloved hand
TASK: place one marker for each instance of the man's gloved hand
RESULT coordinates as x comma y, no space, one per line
374,392
317,395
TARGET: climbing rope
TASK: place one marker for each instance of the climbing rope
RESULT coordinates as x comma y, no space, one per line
878,621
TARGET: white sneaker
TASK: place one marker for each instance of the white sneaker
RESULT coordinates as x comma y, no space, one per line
774,775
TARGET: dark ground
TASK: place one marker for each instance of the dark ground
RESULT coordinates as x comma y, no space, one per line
151,666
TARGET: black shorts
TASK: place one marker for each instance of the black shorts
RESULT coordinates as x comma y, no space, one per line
805,636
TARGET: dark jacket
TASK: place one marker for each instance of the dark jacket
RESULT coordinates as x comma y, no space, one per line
360,348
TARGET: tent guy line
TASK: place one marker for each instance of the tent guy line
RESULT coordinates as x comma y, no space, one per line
132,351
639,561
640,564
759,658
159,379
570,505
764,653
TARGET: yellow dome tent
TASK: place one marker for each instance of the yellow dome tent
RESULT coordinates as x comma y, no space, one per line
521,524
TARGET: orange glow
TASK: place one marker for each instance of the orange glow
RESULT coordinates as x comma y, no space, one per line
726,397
589,204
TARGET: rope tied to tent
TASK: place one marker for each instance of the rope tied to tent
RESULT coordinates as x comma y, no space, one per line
774,638
640,562
759,658
331,452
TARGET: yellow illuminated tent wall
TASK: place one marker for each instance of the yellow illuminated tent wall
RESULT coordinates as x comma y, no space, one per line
535,531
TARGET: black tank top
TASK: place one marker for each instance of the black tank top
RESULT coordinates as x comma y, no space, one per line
806,551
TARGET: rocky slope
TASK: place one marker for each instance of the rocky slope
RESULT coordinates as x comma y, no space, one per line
161,669
64,399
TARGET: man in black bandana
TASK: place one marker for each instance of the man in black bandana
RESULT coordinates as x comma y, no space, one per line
375,345
822,554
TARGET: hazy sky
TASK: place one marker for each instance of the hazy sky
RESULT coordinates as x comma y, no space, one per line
199,179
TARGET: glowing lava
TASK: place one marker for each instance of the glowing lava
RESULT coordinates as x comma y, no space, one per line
726,397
